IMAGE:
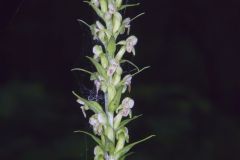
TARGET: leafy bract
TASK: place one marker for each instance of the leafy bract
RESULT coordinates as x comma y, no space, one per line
123,151
94,106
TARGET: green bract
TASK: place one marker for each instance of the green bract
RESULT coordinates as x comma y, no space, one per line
109,121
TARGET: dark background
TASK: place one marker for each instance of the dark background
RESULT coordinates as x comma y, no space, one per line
189,97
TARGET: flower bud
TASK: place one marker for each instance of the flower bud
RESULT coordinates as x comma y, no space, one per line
104,61
111,47
111,92
97,50
120,53
108,20
119,70
117,20
103,4
101,36
118,3
120,142
98,151
117,121
123,131
110,133
116,79
122,137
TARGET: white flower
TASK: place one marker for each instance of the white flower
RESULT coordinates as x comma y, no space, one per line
98,31
112,68
97,126
130,43
127,105
97,50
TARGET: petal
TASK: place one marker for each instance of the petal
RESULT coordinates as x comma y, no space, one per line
80,102
83,111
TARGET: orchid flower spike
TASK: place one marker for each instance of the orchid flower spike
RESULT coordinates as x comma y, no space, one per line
110,117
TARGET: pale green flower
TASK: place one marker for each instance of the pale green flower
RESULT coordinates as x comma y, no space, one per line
97,126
